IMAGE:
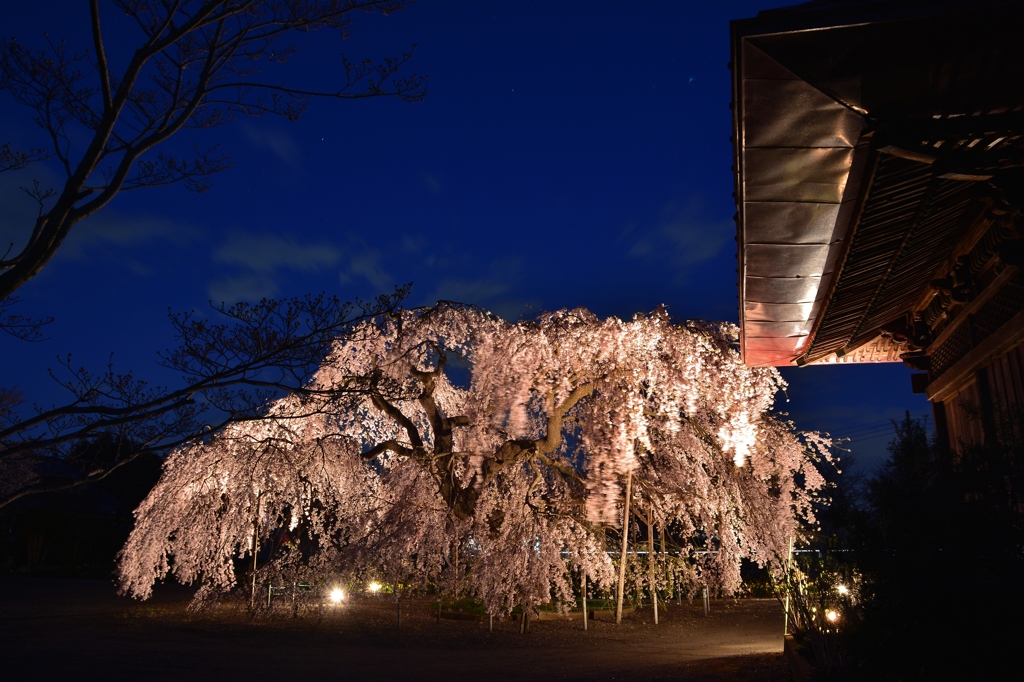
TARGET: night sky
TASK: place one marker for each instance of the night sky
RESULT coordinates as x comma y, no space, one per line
567,154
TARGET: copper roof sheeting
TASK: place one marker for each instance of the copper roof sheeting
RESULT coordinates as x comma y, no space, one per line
796,167
837,236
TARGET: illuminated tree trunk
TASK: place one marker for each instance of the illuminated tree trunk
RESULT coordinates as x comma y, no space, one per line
625,542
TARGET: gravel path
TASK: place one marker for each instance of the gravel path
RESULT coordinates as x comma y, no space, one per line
79,629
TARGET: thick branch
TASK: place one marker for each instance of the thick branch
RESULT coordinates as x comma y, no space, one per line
101,55
387,446
556,418
410,429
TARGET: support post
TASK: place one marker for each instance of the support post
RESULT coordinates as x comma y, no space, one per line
789,556
671,574
584,599
625,542
255,551
650,562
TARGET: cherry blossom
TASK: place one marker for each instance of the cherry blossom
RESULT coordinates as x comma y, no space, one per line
488,458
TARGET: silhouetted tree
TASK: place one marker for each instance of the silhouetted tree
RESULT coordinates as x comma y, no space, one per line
197,64
230,370
941,555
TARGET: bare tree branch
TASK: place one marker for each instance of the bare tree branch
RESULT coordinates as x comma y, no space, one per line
12,160
230,371
198,65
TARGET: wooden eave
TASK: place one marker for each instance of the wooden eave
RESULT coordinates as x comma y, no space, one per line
870,139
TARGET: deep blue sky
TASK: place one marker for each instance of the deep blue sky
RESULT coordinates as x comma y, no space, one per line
567,154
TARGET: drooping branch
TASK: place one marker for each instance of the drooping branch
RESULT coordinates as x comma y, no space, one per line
557,413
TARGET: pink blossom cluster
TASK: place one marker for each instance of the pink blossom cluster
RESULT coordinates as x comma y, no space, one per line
447,446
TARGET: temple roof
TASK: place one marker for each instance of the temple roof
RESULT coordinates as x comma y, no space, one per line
870,139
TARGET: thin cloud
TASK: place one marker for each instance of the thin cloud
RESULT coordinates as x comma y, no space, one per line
260,260
684,234
477,291
365,262
242,288
431,182
491,293
107,236
495,292
18,210
111,233
267,253
279,144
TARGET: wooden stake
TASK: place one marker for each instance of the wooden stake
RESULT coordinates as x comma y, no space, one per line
255,551
650,563
625,542
664,558
584,599
785,617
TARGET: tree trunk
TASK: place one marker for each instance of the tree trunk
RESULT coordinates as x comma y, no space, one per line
650,563
625,543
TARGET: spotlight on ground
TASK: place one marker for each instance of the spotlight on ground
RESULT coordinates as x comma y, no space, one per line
337,596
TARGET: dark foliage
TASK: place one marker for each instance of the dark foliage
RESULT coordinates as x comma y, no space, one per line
77,531
940,549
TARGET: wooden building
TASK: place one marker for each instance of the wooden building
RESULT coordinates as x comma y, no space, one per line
879,164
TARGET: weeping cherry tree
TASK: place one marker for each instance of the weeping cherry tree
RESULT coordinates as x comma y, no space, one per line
486,458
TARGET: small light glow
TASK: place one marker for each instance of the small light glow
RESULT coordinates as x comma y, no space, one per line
843,589
832,616
337,596
374,587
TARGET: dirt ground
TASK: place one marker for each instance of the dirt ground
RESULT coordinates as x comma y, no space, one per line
79,629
